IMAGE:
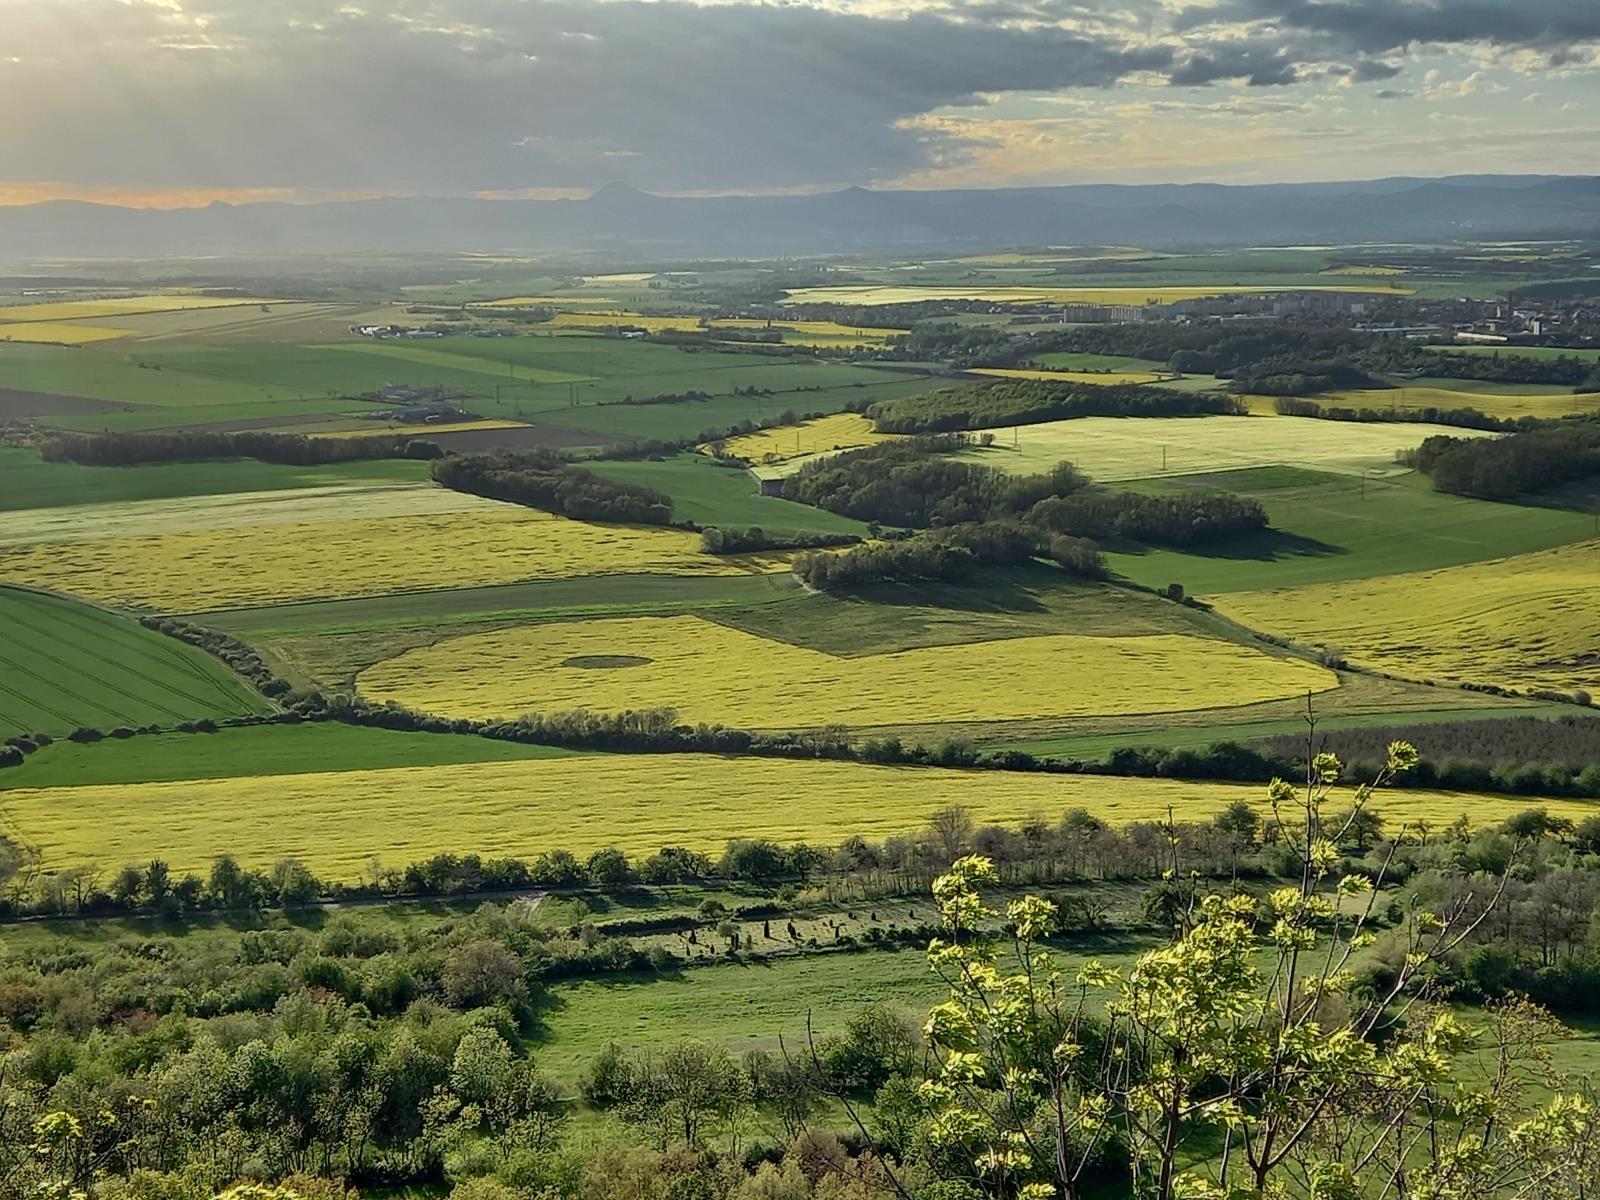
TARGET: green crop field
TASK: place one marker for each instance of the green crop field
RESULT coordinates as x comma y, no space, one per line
258,750
709,494
27,481
1331,528
65,664
1592,354
1195,737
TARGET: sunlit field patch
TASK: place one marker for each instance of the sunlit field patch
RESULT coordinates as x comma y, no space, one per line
841,431
1112,448
896,294
336,821
713,673
1557,404
63,332
281,563
1529,621
611,320
1103,378
79,310
301,507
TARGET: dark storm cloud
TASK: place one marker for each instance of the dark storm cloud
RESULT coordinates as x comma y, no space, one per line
1371,69
1258,63
488,94
468,95
1379,26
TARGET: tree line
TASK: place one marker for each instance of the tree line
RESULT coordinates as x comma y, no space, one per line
546,480
1464,418
288,449
1029,402
732,539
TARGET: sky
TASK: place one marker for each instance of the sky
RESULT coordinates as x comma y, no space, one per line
182,102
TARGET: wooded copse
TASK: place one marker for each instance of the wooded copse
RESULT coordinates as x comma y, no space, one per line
1526,462
981,515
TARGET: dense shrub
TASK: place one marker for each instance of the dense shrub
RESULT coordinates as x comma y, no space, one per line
290,449
1162,520
732,540
545,480
1499,468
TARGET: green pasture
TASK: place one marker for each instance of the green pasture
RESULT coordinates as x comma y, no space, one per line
304,749
1591,353
1010,602
708,494
750,1005
1482,387
27,481
1197,737
806,388
1334,527
64,664
117,375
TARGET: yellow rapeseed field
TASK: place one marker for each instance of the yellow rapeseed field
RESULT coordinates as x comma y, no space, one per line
712,673
904,294
116,306
1528,621
301,507
607,320
638,803
1496,404
815,333
841,431
62,332
277,564
1103,378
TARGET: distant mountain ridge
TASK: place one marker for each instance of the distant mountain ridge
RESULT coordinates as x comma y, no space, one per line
1160,216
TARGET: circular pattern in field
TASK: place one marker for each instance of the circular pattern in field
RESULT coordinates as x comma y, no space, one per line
602,662
713,673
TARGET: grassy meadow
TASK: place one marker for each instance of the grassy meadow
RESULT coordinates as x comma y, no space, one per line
1327,528
708,494
28,482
